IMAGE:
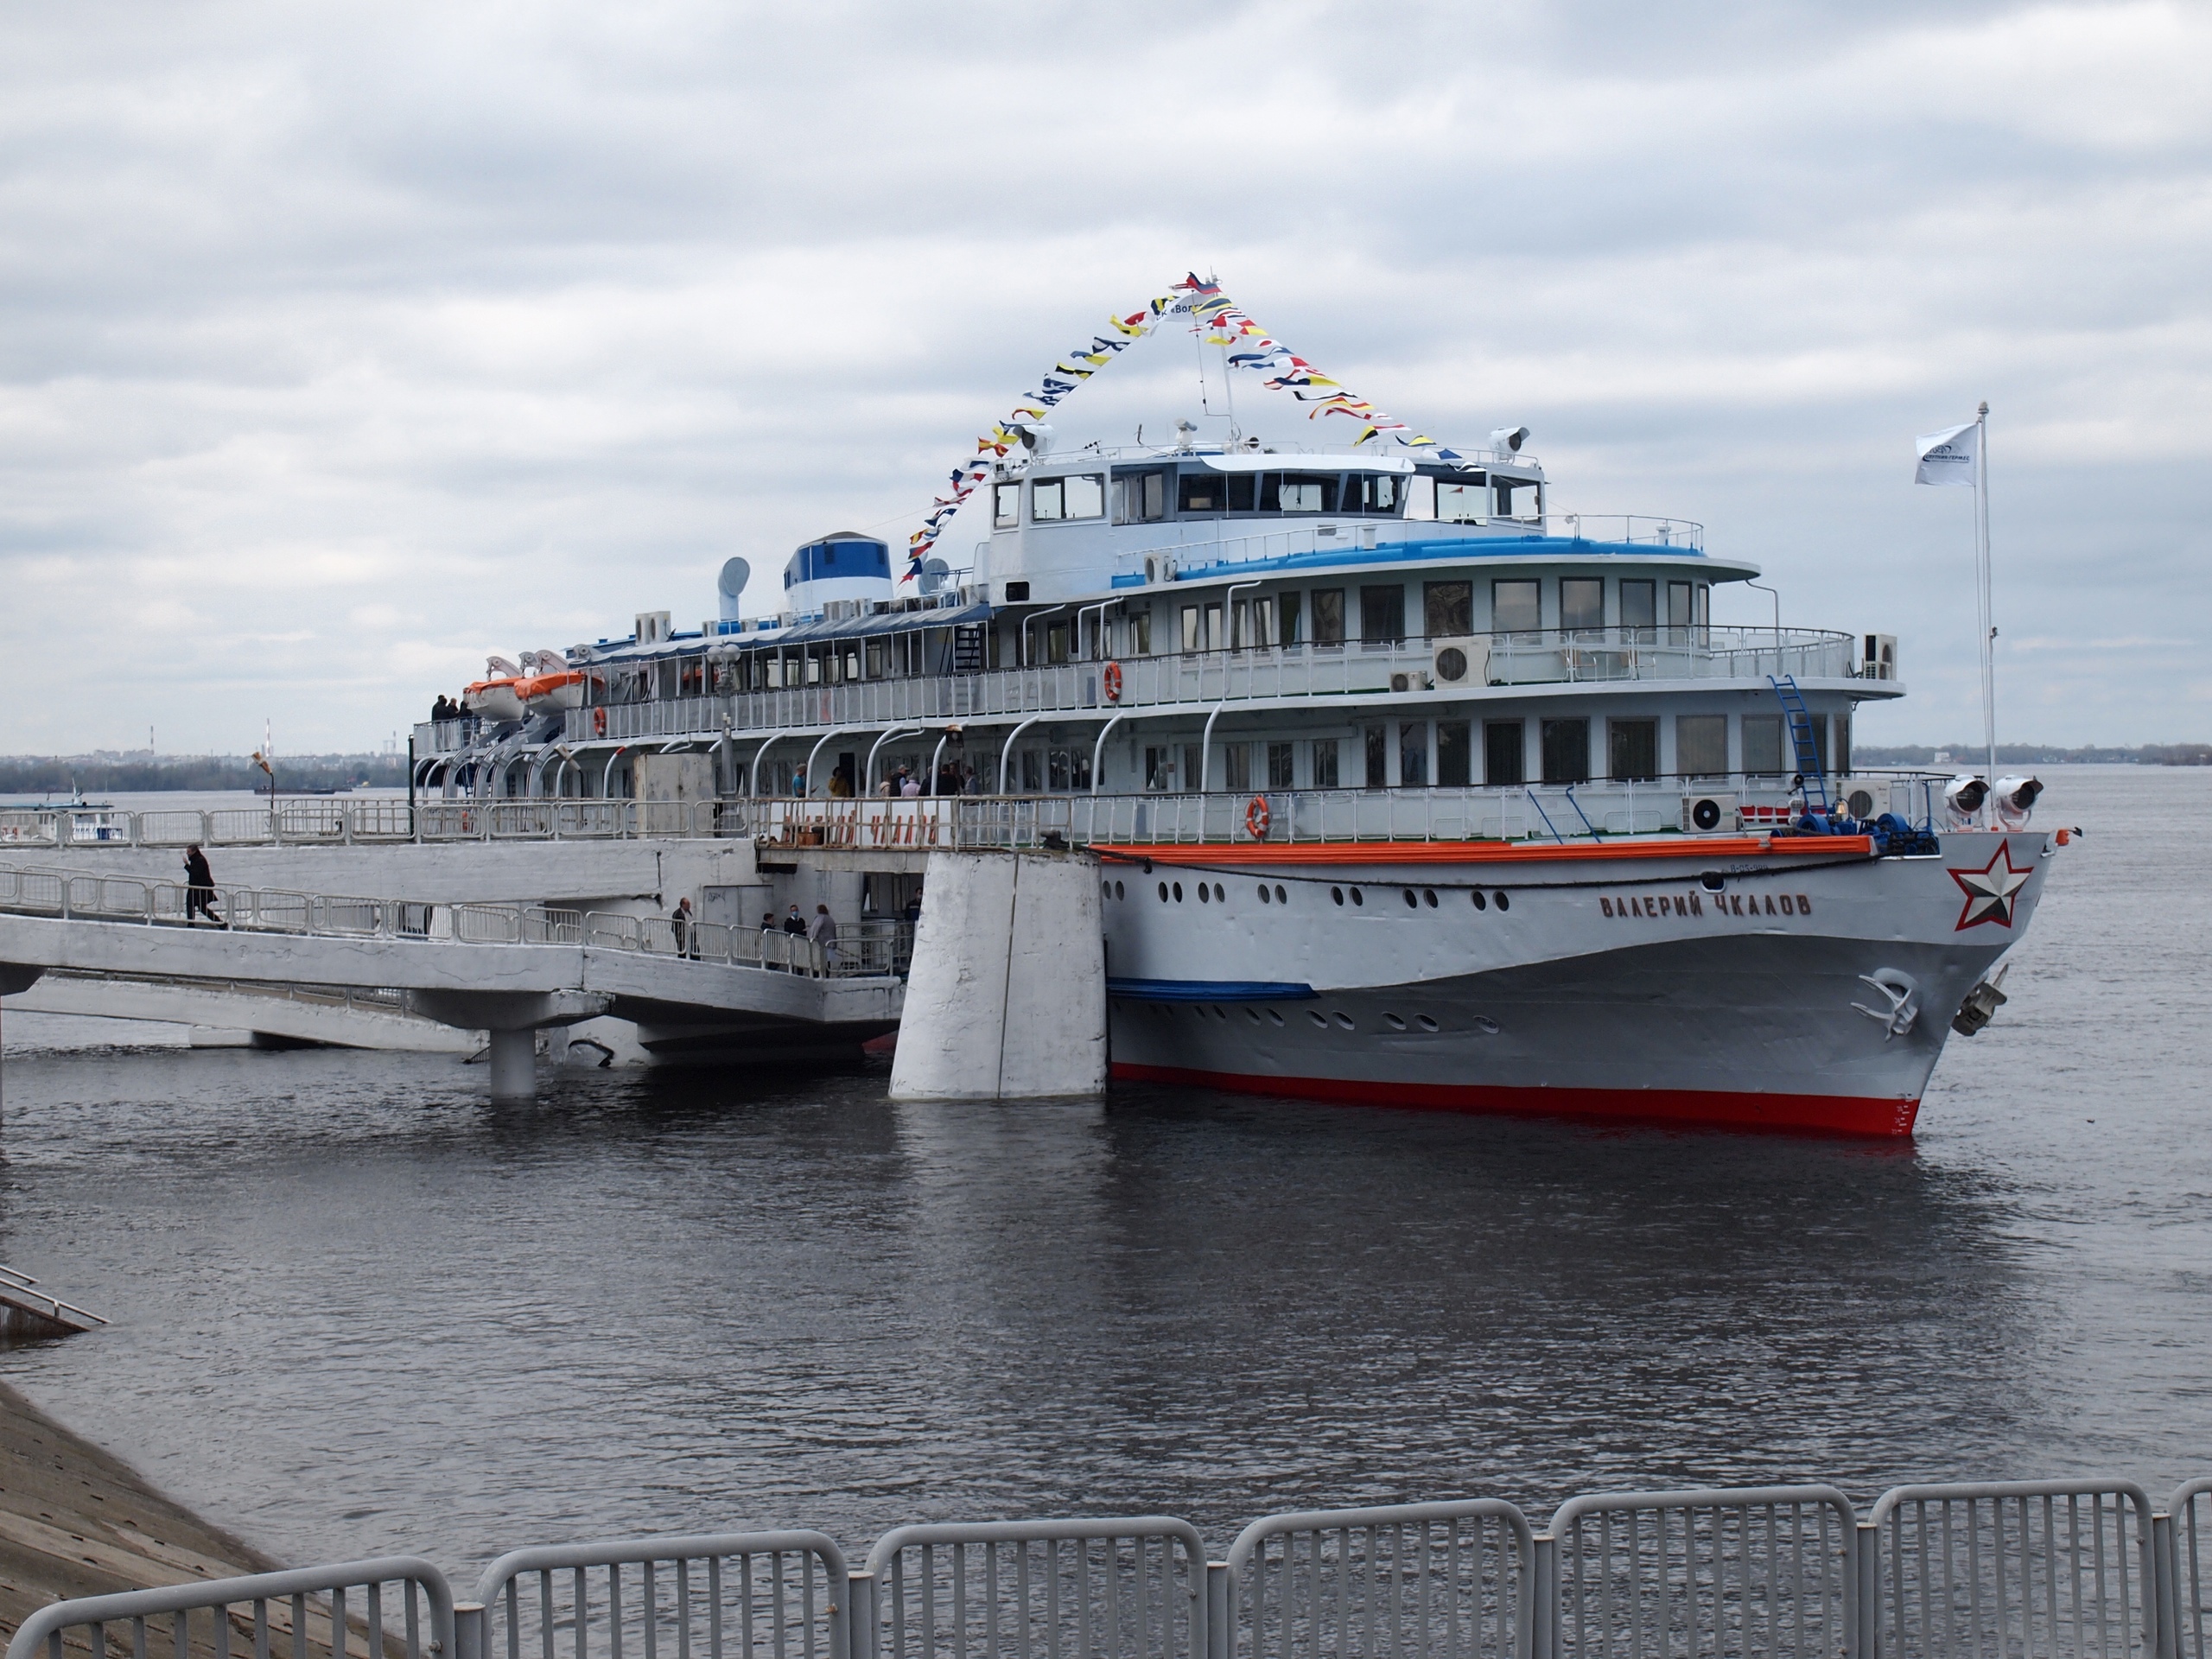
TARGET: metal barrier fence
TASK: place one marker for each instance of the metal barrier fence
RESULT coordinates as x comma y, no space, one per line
858,950
2064,1569
751,1595
1127,1588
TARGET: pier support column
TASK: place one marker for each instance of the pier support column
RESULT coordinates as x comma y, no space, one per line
514,1065
1006,996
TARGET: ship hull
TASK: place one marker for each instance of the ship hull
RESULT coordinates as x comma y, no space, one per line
1625,989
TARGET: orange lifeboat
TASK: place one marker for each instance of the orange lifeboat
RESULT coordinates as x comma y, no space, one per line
495,696
545,693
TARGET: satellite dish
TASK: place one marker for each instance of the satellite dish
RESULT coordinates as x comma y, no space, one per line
731,584
934,572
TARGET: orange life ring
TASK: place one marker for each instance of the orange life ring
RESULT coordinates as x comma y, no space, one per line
1112,682
1257,817
599,722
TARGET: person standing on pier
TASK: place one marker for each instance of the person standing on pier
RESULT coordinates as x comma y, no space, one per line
199,888
680,921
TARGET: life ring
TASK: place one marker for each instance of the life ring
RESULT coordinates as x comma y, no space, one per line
1257,817
1112,682
599,722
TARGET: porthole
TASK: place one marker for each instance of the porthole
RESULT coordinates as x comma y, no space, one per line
1198,1010
1163,892
1317,1018
1178,893
1411,902
1252,1014
1344,1020
1337,893
1220,893
1481,903
1281,898
1265,896
1220,1013
1504,902
1397,1022
1425,1022
1357,897
1273,1015
1205,895
1428,897
1105,889
1713,880
1485,1025
1118,891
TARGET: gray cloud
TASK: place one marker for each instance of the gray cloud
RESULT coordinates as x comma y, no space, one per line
341,346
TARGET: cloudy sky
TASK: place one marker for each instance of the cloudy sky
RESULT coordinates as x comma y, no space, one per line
342,345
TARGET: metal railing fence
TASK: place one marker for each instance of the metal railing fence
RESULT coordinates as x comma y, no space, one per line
858,950
1771,1570
1989,1569
1449,1580
1131,1588
309,1613
2059,1569
748,1595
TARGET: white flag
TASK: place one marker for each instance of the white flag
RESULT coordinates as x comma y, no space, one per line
1947,457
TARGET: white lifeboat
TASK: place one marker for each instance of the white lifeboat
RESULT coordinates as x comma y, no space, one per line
544,693
495,696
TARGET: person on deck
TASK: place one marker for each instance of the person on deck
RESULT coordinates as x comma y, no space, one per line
680,921
823,931
199,888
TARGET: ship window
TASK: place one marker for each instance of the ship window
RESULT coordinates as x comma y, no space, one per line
1421,496
1412,753
1160,768
1280,761
1464,500
1298,492
1236,766
1139,497
1519,498
1515,607
1582,602
1378,751
1086,495
1640,609
1193,629
1288,634
1678,606
1200,492
1006,505
1324,763
1328,616
1632,749
1762,743
1454,761
1047,501
1243,490
1377,493
1566,745
1701,745
1448,609
1381,615
1141,626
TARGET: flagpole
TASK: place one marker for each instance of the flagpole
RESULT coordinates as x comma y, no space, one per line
1988,605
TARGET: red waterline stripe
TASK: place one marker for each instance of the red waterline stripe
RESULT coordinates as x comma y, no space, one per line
1486,852
1855,1115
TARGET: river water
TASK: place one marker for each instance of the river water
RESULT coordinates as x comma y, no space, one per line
357,1309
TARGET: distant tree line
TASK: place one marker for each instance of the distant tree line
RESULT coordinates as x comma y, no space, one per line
39,776
2038,754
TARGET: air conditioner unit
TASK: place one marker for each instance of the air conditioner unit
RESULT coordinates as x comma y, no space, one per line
1460,662
1880,660
1707,814
1409,679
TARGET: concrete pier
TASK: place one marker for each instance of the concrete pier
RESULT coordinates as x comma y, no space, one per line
1006,997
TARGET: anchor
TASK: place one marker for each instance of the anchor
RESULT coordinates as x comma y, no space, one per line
1901,992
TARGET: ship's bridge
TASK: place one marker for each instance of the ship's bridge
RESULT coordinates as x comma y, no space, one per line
1067,526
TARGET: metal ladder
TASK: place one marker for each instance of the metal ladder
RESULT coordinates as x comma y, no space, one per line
967,648
1801,740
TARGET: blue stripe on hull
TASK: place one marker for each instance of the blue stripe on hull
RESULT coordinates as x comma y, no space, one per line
1209,991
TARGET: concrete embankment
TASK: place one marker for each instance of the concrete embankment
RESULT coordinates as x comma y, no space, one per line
76,1521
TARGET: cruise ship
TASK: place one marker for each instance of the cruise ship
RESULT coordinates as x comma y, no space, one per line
1407,788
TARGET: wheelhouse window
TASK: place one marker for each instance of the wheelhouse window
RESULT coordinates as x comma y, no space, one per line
1679,616
1520,499
1201,493
1298,492
1083,495
1376,494
1006,510
1582,603
1516,605
1140,497
1464,499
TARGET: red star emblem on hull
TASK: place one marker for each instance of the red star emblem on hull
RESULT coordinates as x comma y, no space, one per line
1990,891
